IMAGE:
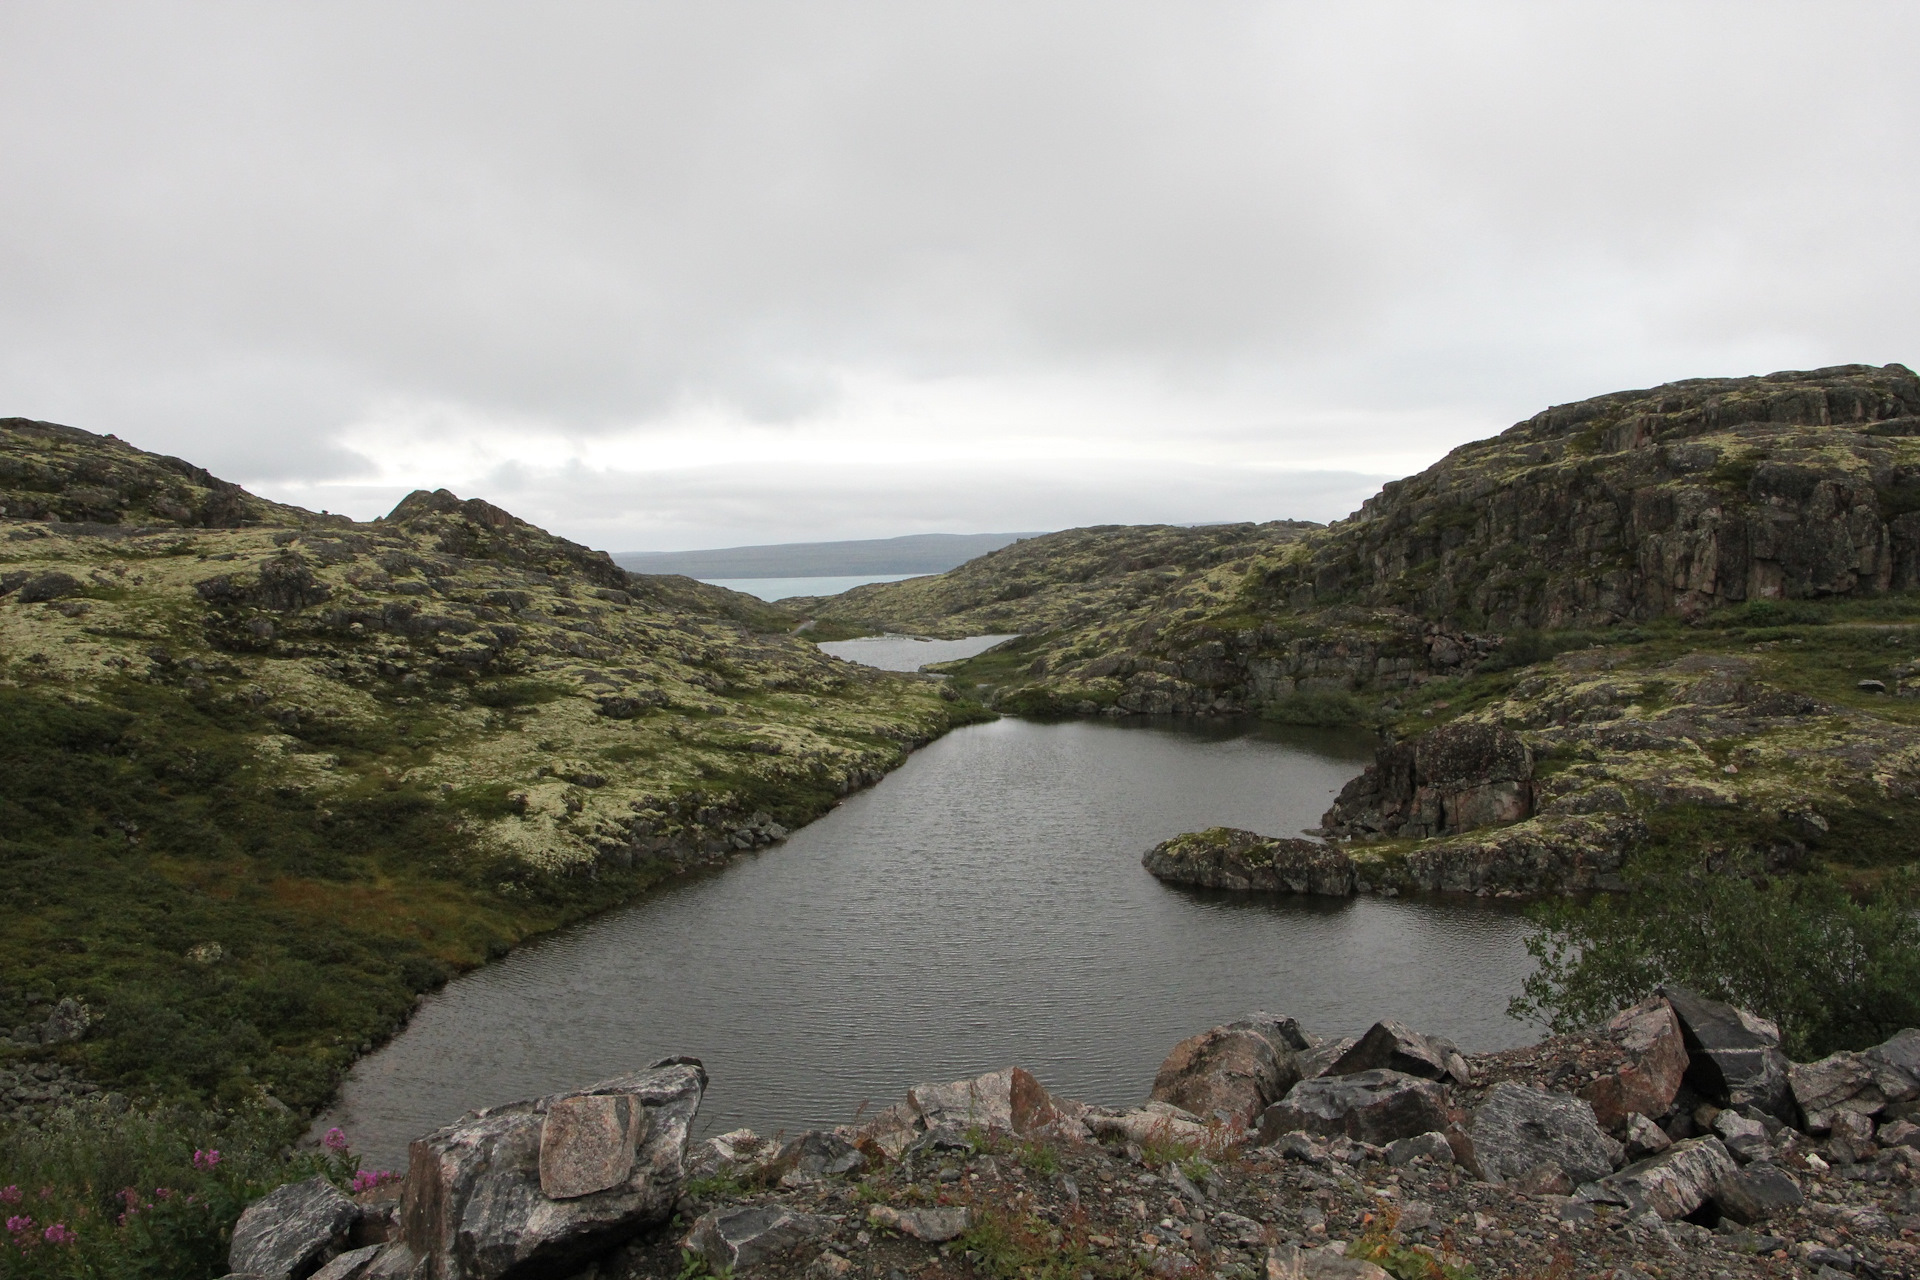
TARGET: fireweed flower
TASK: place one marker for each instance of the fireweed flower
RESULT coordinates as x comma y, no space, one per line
59,1234
19,1223
205,1159
9,1194
336,1140
368,1179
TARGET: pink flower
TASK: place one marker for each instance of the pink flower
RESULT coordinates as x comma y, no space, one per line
368,1179
205,1159
163,1193
20,1223
10,1194
129,1197
59,1234
336,1140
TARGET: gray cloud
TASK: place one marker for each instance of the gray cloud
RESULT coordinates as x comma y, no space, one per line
249,234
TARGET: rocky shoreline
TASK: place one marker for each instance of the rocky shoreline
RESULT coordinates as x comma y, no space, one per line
1676,1140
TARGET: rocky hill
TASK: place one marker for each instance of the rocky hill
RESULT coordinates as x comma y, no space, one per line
1692,609
273,772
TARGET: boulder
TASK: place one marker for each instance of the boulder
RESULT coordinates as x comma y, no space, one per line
1393,1046
1229,858
1154,1122
814,1155
1733,1058
1756,1193
1645,1138
727,1152
350,1265
1330,1262
1515,1130
1368,1106
933,1225
1434,1146
1234,1071
1653,1063
1324,1053
733,1239
587,1143
292,1231
1010,1101
474,1207
1851,1137
1866,1082
1745,1139
1672,1184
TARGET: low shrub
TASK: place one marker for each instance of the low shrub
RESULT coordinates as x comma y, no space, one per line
1835,972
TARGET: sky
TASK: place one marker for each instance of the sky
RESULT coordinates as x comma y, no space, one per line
666,276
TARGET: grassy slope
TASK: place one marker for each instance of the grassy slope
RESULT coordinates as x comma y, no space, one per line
356,757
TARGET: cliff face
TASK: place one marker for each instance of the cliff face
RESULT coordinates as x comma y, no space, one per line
1644,504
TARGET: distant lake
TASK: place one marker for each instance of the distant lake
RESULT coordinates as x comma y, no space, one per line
781,588
908,653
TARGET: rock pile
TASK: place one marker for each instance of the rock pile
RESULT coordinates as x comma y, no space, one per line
1674,1135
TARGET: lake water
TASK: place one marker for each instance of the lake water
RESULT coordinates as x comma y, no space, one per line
908,653
781,588
983,906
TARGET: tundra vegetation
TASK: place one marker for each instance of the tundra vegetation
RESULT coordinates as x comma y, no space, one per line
272,774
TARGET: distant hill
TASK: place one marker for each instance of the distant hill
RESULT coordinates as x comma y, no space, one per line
914,553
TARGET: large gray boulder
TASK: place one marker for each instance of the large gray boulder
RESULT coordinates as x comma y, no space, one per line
1653,1063
733,1239
1672,1184
1516,1130
1864,1082
1394,1046
292,1231
475,1208
1733,1058
1756,1193
1369,1106
1234,1071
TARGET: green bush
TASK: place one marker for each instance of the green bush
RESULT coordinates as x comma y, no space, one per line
1835,972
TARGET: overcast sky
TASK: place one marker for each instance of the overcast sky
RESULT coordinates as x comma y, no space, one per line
671,276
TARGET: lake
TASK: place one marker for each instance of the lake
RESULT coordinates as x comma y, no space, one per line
983,906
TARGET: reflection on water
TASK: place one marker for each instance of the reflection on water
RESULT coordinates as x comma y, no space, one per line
984,905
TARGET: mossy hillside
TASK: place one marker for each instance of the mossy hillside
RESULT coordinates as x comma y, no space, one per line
1073,582
354,758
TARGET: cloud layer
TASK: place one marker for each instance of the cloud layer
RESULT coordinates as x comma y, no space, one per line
669,276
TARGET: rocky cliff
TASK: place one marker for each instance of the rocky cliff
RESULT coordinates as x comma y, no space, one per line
1690,611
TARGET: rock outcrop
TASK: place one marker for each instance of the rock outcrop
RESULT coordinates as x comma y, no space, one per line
1517,1132
1229,858
1454,779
